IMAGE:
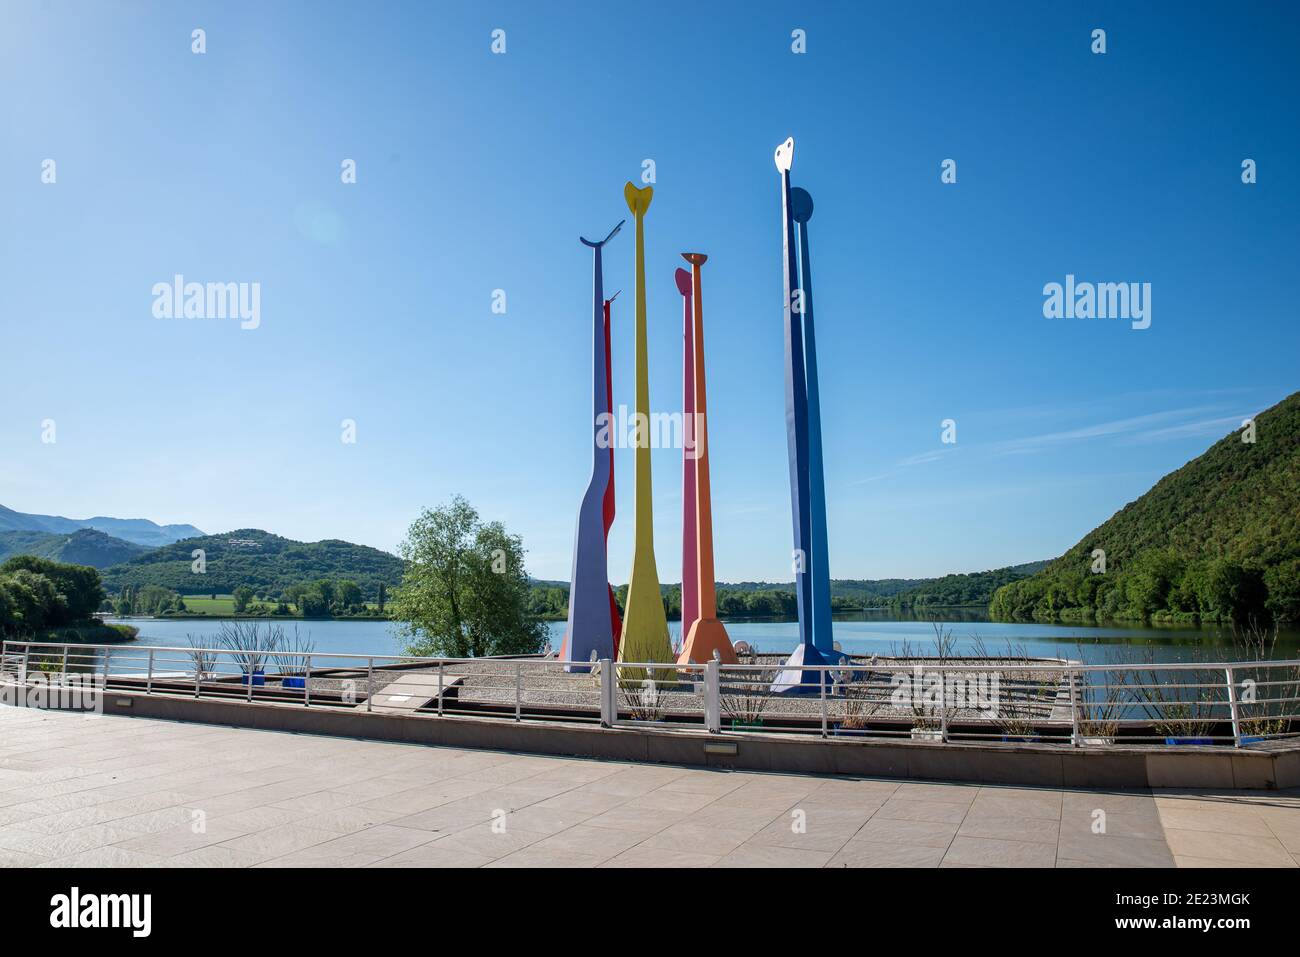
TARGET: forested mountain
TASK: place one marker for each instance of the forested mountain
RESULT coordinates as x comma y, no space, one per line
975,588
85,546
266,563
1218,540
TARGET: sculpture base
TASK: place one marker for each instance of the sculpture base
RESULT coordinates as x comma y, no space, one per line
706,636
793,680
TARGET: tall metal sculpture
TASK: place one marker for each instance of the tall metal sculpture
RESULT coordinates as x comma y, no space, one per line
706,637
794,679
690,449
822,636
590,629
645,626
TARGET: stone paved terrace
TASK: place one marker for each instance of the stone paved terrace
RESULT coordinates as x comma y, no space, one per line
119,791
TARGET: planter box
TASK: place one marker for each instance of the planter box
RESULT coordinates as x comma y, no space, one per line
1189,741
293,683
259,678
1020,739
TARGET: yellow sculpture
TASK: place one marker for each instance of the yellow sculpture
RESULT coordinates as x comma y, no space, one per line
645,626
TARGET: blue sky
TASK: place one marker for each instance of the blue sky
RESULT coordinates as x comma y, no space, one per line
478,172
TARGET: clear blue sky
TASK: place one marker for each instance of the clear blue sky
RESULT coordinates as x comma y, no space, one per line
479,172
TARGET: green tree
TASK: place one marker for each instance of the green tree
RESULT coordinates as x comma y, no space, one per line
1283,583
347,594
80,586
313,604
464,592
243,595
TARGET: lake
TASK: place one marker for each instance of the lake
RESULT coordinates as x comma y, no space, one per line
874,632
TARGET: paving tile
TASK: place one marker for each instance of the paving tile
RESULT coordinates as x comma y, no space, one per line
642,821
703,839
997,802
989,852
644,856
770,855
344,820
431,855
1217,864
483,841
1234,820
925,791
601,843
357,849
214,855
926,833
1243,848
1033,830
66,843
1114,850
277,841
114,857
532,857
859,853
181,838
914,809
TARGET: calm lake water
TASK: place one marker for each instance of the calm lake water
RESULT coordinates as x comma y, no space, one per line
869,633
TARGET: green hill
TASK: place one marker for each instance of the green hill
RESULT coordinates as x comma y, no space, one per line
85,546
975,588
1216,540
264,562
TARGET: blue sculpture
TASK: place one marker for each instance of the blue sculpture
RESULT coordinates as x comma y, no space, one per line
590,631
822,636
793,680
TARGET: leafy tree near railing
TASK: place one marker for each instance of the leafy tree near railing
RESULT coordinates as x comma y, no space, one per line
465,592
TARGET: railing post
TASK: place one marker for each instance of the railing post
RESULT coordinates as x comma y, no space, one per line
306,685
199,659
108,653
943,707
440,686
821,680
63,668
519,689
608,711
148,682
712,699
370,683
1071,678
252,668
1233,707
27,651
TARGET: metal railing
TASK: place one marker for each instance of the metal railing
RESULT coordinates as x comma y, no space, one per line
1013,700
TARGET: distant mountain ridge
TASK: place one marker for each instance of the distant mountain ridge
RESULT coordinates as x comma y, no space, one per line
139,531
